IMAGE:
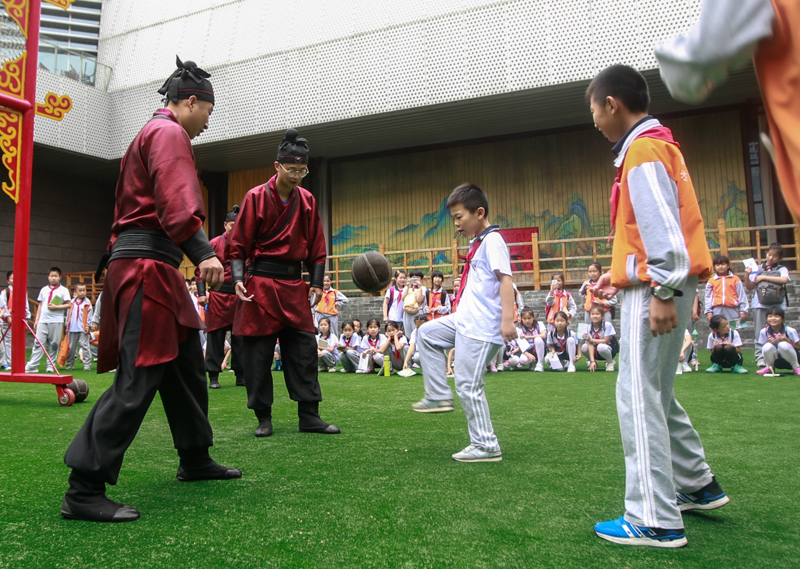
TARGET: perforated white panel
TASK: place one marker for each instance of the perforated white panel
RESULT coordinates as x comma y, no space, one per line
334,60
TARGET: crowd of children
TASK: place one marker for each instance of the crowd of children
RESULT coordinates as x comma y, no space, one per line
557,342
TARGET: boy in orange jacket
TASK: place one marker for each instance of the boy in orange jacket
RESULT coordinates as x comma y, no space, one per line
659,253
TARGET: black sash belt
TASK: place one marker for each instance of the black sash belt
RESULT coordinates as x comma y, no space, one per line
225,288
276,269
145,243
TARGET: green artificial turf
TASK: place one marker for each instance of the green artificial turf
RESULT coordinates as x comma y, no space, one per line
385,493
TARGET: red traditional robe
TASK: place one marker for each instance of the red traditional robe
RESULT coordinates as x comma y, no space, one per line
266,227
157,188
221,306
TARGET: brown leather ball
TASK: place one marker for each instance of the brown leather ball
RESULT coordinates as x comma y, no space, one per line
371,272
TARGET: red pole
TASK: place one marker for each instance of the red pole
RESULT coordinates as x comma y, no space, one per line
22,227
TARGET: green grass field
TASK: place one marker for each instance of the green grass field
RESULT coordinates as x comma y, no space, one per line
385,493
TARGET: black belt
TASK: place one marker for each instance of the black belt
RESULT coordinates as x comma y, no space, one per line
225,288
145,243
276,269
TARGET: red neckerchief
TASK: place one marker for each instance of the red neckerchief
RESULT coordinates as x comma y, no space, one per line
529,331
377,341
75,308
728,336
472,250
596,332
276,199
561,344
435,298
772,334
396,351
348,340
52,291
659,132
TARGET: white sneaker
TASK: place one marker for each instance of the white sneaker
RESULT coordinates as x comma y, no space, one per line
332,370
539,367
571,368
610,366
501,367
475,454
685,367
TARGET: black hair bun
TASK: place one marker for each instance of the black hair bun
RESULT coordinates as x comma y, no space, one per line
235,209
291,135
189,65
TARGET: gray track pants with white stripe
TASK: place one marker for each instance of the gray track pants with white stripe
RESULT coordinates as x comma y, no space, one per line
663,452
434,338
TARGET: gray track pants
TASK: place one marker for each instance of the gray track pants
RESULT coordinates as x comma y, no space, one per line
434,339
76,340
48,334
663,452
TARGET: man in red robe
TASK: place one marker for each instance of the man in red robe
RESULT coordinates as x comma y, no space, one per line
149,323
279,229
221,310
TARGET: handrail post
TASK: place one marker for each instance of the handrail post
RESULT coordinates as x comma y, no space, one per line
535,260
336,264
797,246
564,261
723,238
454,253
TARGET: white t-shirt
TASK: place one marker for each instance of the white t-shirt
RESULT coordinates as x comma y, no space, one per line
480,311
560,342
353,342
606,330
395,311
789,332
783,272
46,315
332,340
732,336
367,342
413,338
4,304
75,323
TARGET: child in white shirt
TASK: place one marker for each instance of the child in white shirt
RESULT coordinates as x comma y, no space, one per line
54,300
327,342
563,344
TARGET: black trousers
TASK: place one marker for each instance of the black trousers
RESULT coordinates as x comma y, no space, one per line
99,447
215,352
726,356
299,361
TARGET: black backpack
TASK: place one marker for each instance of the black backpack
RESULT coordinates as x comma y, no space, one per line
771,294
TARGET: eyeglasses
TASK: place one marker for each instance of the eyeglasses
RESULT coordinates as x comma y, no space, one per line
292,172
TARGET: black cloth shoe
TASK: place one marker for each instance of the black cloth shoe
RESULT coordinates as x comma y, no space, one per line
310,421
86,500
213,382
264,428
212,471
239,381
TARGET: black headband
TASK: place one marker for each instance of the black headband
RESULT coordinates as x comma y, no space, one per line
293,150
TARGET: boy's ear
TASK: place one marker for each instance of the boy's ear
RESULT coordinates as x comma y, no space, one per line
480,212
612,105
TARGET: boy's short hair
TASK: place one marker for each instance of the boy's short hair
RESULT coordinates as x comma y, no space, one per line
625,84
79,284
776,247
8,274
471,197
54,270
721,260
716,321
421,317
435,274
416,273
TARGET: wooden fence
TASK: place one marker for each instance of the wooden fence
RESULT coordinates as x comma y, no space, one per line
535,261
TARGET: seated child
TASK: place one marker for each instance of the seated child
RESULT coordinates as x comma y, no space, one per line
395,345
412,355
370,346
357,328
536,335
563,344
725,345
779,343
600,340
327,342
349,346
594,271
559,300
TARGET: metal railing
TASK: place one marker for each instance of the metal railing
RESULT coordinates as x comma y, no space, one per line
72,64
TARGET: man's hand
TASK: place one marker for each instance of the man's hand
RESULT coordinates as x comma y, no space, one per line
663,316
314,290
202,300
508,330
241,292
211,271
603,287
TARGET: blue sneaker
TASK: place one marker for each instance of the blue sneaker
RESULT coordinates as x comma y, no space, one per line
620,531
709,497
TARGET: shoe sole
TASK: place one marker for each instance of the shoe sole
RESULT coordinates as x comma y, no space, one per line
645,541
487,459
713,505
435,410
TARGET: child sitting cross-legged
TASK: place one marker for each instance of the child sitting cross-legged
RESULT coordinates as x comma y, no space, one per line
327,342
779,343
599,340
725,345
563,344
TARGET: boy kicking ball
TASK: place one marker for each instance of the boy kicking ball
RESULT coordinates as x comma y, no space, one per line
485,319
659,252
